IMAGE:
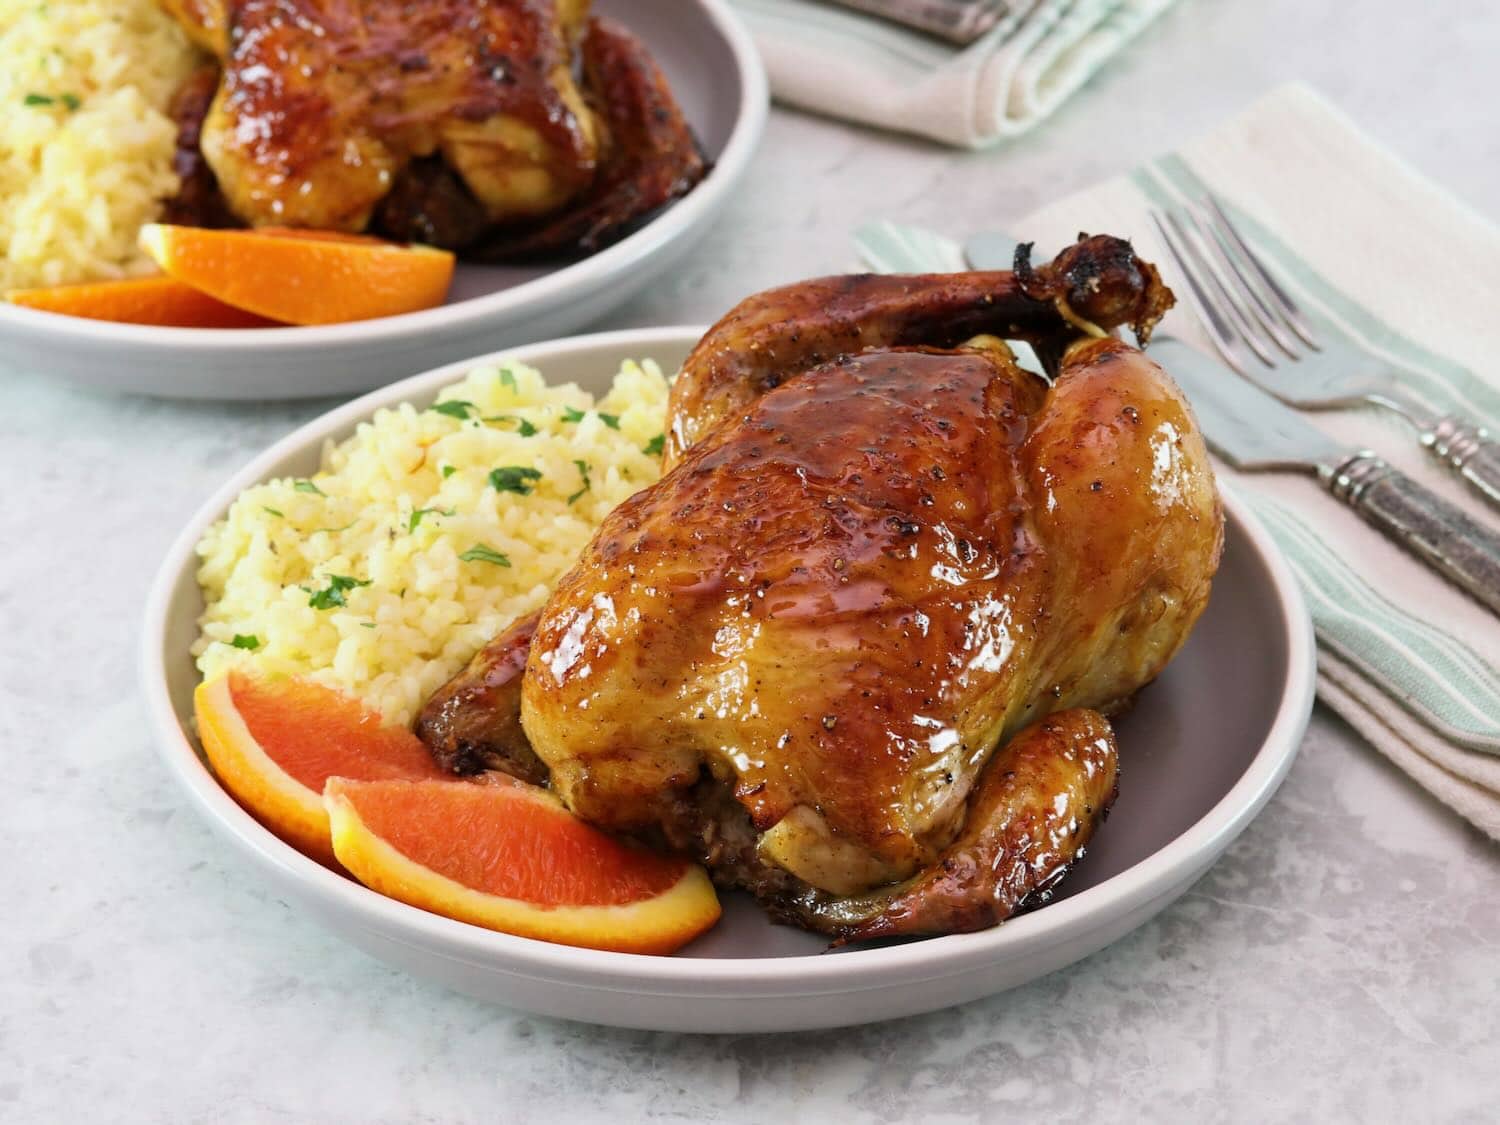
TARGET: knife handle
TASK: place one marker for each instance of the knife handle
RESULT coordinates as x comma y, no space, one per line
1424,523
1468,450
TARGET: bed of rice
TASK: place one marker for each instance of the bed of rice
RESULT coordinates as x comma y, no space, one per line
85,143
458,525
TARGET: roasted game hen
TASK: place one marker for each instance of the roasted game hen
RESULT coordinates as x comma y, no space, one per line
854,649
505,129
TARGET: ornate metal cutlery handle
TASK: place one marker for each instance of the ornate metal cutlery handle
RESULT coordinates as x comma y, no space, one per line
958,21
1470,451
1428,526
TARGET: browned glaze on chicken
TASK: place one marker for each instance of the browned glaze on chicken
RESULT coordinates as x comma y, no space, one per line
198,201
473,723
653,158
457,122
773,336
823,650
1032,811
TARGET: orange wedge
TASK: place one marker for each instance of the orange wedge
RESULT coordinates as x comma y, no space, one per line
302,277
274,742
139,300
509,857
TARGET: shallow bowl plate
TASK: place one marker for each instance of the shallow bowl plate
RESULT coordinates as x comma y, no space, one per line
1203,750
718,80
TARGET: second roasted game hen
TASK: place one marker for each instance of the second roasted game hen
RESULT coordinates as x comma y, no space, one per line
504,129
855,648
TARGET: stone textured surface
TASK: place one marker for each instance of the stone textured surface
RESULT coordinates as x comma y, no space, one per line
1339,963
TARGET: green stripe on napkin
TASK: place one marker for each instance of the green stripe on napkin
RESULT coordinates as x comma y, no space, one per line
851,65
888,247
1434,676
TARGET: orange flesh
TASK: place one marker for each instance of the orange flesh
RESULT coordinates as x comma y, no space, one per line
303,277
314,733
161,301
510,841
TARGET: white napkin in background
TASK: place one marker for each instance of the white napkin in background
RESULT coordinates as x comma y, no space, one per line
1367,243
865,69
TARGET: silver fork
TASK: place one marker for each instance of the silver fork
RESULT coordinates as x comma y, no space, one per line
1261,333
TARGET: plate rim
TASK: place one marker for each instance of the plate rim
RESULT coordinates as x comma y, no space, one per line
592,272
1186,855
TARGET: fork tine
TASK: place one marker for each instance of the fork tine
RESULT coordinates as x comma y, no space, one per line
1201,245
1288,309
1190,234
1226,257
1222,332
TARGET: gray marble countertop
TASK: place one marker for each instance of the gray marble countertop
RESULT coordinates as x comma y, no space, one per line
1341,962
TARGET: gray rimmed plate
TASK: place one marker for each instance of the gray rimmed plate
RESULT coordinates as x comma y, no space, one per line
718,79
1202,751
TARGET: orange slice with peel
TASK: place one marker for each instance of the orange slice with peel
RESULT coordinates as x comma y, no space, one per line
508,856
274,743
162,301
302,277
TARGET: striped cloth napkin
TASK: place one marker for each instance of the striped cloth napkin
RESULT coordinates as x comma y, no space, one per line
846,64
1387,256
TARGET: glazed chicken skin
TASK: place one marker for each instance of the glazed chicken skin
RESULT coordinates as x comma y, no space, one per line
454,122
854,647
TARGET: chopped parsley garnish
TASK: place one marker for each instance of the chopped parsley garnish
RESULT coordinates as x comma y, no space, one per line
273,512
308,486
448,471
333,530
338,586
514,478
480,553
416,517
508,378
454,408
583,471
654,447
248,641
523,427
367,624
72,101
572,414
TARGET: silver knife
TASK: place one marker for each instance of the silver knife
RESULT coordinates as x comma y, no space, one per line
1254,431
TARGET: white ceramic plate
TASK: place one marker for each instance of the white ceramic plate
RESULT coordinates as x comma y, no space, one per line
719,82
1202,752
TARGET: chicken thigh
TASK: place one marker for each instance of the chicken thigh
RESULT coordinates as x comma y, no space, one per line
853,648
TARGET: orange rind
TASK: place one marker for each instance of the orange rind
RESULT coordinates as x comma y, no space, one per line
274,743
510,857
302,277
161,301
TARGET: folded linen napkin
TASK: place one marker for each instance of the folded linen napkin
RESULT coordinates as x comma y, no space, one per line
1387,256
855,66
